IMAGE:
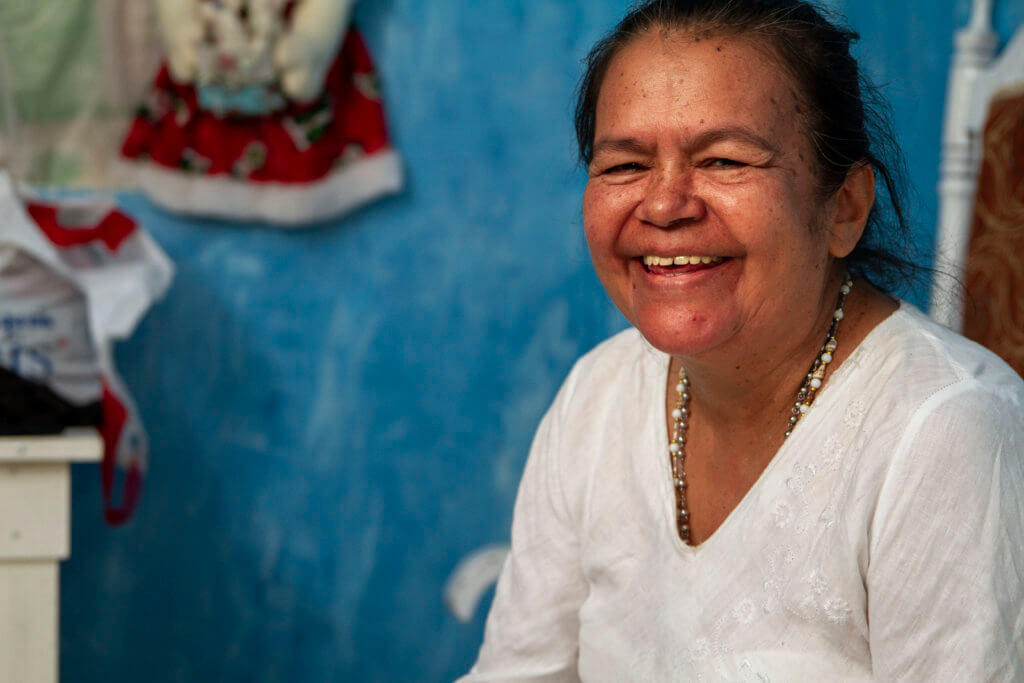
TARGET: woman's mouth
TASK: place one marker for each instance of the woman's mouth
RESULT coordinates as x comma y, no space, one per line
679,265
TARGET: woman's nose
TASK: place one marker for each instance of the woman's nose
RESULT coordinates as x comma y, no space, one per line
670,200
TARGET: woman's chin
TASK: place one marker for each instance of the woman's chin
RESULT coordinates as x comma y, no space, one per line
684,333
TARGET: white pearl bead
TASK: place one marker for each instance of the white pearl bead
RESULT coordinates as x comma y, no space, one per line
803,408
838,315
845,289
816,383
679,388
673,448
826,357
676,414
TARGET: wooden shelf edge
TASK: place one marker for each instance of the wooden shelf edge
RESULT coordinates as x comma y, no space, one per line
73,445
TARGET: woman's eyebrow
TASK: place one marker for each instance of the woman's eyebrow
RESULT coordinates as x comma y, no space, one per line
732,133
619,145
703,140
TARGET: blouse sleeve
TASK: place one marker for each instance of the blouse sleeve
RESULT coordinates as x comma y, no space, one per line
946,566
533,626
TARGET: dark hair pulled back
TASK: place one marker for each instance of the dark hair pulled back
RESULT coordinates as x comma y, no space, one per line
847,120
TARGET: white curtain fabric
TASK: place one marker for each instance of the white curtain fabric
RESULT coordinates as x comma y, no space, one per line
71,74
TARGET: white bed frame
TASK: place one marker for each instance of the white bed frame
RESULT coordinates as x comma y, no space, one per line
975,75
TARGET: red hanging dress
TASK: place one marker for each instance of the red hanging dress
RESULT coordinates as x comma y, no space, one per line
245,151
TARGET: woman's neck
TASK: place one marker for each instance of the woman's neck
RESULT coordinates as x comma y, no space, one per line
760,388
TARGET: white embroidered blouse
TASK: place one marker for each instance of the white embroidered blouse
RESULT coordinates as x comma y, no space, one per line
884,541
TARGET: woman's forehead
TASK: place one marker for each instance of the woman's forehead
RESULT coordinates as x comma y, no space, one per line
692,81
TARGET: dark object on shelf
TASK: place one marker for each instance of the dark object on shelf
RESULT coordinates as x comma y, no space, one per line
30,408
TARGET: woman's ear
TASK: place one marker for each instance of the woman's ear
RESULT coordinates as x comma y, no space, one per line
853,204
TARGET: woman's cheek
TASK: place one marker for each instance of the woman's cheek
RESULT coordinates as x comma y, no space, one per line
596,213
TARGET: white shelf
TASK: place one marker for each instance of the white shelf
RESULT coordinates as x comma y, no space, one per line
74,445
35,535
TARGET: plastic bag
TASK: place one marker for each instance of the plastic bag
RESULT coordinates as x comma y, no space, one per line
74,277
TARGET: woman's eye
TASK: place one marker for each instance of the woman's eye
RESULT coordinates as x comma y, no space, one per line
629,167
720,162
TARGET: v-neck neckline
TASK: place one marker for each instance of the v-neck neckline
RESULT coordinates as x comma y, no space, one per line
827,397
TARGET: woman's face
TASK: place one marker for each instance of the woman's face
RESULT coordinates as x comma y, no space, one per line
700,156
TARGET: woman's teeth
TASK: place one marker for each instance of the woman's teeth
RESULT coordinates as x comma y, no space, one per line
680,260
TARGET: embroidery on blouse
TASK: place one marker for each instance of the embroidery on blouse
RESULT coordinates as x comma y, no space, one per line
811,598
817,582
831,453
745,611
782,515
855,414
700,650
805,509
827,518
837,610
748,673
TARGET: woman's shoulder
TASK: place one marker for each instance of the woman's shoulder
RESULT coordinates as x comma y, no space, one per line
619,366
914,381
624,354
627,345
924,413
920,358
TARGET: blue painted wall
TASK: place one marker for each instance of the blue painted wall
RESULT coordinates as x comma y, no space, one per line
338,415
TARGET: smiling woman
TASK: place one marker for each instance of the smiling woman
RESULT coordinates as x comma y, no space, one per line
781,472
689,160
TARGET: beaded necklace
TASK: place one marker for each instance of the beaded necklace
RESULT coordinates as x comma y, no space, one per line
804,399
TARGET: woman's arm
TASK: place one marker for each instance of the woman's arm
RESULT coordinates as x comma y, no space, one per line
946,571
532,628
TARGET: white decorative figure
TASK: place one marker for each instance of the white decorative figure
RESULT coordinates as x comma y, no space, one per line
181,32
474,574
305,53
268,110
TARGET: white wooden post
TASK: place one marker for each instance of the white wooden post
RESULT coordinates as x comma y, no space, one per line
975,47
35,520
